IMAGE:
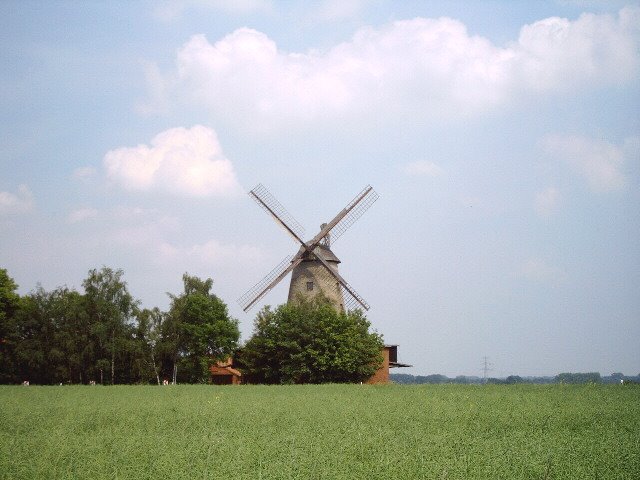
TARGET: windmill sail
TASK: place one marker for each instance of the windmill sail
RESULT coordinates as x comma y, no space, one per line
263,287
347,216
309,265
356,207
350,298
271,205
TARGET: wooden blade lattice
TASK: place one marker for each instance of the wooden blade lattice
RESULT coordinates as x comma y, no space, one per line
260,289
273,207
362,206
351,299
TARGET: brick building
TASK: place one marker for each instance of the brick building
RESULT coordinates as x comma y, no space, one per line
389,360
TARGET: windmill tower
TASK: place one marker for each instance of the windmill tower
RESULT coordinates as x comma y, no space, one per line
314,267
310,277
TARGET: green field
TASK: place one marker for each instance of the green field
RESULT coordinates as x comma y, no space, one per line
313,432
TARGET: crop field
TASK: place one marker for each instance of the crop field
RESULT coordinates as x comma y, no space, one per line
321,432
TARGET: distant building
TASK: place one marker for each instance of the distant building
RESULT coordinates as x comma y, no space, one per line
389,360
223,373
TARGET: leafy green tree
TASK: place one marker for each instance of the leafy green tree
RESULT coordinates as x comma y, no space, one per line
66,336
9,305
149,335
73,347
568,377
9,299
170,349
617,377
111,310
311,342
52,337
39,340
199,330
434,378
34,333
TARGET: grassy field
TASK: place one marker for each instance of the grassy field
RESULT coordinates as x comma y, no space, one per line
314,432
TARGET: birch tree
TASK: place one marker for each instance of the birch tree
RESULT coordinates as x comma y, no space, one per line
111,309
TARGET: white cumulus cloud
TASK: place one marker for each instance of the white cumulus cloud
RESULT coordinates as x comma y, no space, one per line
20,202
428,67
556,53
598,161
211,252
81,214
546,202
539,270
180,161
169,10
141,229
338,9
423,167
83,173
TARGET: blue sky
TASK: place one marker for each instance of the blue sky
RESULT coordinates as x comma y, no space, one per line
502,137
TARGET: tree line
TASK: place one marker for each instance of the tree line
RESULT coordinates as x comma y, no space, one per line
103,335
567,377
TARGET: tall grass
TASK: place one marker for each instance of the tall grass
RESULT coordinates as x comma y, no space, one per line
321,432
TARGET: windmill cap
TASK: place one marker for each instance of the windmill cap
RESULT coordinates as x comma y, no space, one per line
327,254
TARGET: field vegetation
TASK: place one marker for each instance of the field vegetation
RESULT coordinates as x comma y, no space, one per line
321,432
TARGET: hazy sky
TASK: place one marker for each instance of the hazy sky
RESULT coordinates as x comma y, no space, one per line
502,136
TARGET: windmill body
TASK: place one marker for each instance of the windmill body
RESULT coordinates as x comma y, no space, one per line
310,278
314,268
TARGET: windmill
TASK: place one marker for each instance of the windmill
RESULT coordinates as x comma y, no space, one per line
314,266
